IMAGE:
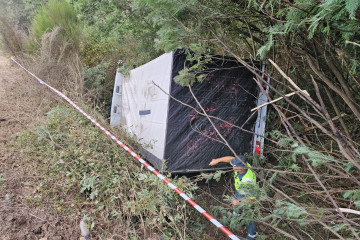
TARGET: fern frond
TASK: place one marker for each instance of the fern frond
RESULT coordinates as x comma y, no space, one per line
351,6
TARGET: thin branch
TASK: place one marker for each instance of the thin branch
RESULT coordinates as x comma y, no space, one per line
339,115
352,43
325,123
278,99
339,139
215,128
348,210
338,75
278,229
213,117
327,81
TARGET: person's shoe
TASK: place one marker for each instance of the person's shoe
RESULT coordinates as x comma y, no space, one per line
251,237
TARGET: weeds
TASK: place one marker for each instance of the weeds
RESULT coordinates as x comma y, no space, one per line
101,179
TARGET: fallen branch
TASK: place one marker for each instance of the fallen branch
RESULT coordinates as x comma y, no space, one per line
353,43
348,210
275,100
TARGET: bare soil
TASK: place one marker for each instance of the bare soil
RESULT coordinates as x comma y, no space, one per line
21,103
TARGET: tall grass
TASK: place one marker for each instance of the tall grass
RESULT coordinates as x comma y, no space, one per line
12,39
56,13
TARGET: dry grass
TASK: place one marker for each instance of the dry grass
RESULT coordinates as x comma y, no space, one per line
21,100
58,63
13,39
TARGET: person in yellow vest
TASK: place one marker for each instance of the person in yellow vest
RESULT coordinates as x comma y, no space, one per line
243,178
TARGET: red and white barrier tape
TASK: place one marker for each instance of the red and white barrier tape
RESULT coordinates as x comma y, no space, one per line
142,161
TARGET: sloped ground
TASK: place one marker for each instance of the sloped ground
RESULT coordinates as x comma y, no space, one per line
25,213
21,103
20,99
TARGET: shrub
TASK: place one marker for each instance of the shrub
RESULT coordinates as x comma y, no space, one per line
56,13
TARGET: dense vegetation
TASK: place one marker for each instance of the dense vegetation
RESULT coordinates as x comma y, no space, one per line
105,182
309,180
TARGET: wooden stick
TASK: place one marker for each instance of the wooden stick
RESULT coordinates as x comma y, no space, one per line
353,43
275,100
284,75
348,210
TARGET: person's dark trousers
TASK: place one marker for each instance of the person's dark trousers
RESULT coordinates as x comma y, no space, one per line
251,231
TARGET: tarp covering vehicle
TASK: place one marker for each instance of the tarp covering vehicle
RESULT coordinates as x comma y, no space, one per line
176,137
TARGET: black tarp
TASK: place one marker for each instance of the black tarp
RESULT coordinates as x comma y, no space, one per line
229,93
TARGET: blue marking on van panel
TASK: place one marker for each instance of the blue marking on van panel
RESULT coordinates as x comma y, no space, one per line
144,112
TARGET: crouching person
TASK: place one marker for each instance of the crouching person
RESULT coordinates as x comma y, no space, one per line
244,180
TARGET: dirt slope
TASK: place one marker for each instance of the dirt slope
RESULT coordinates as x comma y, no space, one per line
21,104
8,107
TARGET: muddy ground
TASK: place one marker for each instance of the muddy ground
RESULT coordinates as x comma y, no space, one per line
21,104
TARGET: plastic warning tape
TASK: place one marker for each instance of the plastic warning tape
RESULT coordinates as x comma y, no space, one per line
142,161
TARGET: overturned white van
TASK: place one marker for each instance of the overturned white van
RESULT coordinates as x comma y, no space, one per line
168,122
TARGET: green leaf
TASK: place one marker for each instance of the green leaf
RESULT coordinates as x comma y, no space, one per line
357,203
273,177
348,194
217,175
351,6
295,167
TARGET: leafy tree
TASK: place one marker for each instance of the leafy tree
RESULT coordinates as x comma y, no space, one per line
120,26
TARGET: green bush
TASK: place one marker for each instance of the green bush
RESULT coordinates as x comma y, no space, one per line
56,13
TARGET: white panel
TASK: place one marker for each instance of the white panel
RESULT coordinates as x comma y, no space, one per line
116,101
139,93
261,118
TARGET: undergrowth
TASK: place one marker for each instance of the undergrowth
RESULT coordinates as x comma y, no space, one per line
86,175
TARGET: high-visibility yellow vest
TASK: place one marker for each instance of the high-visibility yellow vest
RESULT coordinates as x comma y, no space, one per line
248,179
